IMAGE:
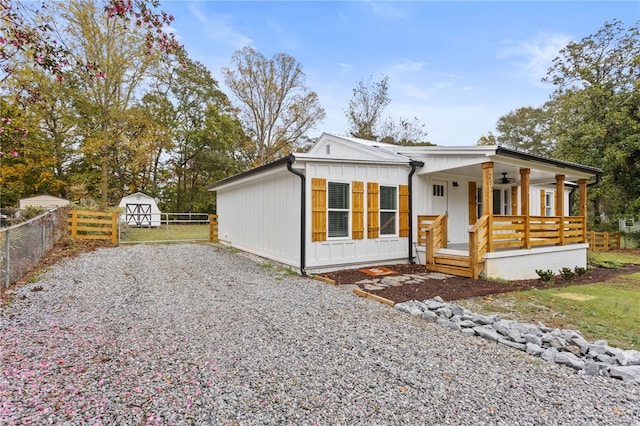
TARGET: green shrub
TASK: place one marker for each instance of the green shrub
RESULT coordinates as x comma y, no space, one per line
567,273
31,211
580,270
545,276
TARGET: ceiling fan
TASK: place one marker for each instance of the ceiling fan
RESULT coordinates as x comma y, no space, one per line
504,180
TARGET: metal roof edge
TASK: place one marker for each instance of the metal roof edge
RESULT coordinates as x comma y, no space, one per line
507,152
250,172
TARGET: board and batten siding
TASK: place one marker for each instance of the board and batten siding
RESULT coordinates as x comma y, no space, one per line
263,217
364,244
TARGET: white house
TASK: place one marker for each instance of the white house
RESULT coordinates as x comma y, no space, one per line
350,202
140,210
45,201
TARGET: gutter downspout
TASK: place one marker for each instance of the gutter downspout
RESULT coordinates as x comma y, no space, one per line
303,215
414,165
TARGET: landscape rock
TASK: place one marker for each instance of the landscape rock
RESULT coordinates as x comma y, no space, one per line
519,346
569,359
429,316
532,338
444,312
596,349
467,324
561,346
412,307
629,357
549,354
533,349
594,368
628,373
580,342
485,319
487,333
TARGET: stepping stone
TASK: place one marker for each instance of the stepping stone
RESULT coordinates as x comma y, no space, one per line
437,275
367,282
372,287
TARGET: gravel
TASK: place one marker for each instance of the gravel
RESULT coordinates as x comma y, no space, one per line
196,334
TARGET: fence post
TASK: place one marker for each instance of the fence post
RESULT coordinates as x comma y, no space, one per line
114,228
213,228
74,223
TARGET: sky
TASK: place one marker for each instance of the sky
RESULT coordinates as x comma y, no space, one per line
458,66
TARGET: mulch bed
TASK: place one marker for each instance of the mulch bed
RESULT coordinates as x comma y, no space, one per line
456,288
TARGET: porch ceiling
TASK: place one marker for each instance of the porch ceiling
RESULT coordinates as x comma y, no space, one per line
539,173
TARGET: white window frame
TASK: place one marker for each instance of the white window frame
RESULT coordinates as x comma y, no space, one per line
339,210
548,203
505,201
386,211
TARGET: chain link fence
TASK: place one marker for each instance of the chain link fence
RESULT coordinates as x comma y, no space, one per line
22,246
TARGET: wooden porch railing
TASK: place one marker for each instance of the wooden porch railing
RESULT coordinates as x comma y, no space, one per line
478,245
516,232
503,232
432,233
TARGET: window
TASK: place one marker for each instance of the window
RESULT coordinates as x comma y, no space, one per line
501,202
388,209
438,190
338,209
548,204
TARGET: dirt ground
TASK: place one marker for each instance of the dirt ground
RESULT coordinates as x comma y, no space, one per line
456,288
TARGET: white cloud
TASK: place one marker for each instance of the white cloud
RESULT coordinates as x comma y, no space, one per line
220,28
406,66
533,57
345,68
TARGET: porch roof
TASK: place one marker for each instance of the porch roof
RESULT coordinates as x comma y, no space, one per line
466,161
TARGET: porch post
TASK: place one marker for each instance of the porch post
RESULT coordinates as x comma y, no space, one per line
582,208
560,207
524,205
487,200
559,195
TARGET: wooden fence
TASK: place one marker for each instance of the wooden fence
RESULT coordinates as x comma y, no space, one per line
88,225
603,241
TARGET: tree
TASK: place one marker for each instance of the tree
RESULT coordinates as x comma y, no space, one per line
205,132
526,129
276,107
105,101
27,34
488,140
366,106
596,114
403,132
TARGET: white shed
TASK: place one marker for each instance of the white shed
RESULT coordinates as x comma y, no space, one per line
44,201
140,210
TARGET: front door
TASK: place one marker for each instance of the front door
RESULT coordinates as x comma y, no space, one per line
439,201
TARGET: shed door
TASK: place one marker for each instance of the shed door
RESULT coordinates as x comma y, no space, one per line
138,214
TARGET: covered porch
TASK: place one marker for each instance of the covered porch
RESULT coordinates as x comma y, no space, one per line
509,246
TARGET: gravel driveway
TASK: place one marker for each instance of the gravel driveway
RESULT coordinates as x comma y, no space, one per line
194,334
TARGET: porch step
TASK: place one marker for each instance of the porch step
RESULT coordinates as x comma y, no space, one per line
452,264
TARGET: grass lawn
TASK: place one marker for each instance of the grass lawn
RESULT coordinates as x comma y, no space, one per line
608,310
172,232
